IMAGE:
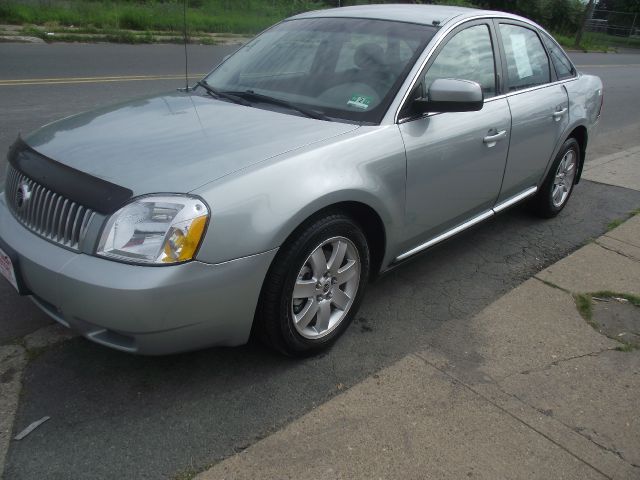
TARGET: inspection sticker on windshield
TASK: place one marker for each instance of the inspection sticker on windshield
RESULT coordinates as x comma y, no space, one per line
359,101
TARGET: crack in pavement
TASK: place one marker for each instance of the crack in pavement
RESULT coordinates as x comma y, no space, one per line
578,430
555,363
515,417
620,240
606,247
552,285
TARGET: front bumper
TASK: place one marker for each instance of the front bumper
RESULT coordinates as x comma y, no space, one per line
151,310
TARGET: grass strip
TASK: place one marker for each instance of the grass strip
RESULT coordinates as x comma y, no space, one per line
202,15
619,221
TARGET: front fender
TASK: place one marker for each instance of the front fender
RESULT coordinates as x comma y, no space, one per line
255,210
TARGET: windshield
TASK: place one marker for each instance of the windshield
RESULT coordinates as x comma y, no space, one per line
344,68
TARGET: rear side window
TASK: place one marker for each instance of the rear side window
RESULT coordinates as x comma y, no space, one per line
527,62
561,63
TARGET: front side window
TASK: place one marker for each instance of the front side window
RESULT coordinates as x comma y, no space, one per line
345,68
468,55
561,63
527,62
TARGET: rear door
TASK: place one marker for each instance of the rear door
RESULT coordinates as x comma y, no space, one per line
539,106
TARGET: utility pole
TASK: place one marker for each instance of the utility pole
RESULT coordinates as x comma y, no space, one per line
588,13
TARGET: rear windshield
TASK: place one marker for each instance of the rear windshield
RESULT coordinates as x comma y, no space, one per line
345,68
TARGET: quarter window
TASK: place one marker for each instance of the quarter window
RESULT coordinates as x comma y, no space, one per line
561,63
527,62
467,56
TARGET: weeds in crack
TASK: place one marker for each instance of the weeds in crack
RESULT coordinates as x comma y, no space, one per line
619,221
35,352
552,285
584,304
625,347
615,224
631,298
191,472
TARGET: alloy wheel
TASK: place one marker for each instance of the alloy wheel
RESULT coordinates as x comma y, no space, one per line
563,181
325,287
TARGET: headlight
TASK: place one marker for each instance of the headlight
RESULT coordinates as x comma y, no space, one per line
159,229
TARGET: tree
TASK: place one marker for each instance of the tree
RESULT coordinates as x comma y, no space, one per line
588,12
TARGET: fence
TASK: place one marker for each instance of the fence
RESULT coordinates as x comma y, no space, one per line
618,27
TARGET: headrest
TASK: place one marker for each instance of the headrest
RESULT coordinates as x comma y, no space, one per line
369,56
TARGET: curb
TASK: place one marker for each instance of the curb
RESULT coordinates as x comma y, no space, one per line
20,39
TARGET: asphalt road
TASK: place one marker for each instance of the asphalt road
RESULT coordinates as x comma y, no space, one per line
118,416
59,80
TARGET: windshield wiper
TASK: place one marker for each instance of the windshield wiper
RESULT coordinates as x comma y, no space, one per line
218,94
277,101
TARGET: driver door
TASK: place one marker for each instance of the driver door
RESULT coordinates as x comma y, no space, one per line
455,161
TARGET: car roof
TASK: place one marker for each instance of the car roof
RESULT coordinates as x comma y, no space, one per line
423,14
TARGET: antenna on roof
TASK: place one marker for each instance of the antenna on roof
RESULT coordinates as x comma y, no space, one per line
184,34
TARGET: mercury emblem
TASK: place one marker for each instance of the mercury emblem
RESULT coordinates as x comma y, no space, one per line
23,195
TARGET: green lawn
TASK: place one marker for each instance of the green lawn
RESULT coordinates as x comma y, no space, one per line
203,15
135,21
600,42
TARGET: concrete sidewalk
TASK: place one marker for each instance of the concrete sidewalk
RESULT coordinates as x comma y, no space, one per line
528,388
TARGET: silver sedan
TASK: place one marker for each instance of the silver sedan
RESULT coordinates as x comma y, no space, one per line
332,147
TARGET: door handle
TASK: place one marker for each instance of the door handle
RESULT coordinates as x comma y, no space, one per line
557,115
490,140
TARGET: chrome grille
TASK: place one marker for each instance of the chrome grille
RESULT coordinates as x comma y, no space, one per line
45,212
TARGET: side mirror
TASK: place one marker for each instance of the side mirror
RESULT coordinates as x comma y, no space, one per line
451,95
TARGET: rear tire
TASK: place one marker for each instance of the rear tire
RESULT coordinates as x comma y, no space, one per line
558,186
314,287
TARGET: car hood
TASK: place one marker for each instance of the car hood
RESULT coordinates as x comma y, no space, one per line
175,142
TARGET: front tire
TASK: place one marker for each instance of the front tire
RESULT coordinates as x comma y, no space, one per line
315,286
558,186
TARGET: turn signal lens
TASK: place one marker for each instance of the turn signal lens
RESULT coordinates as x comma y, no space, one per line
182,242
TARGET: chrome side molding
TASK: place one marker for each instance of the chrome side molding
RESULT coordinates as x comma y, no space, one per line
513,200
447,234
469,223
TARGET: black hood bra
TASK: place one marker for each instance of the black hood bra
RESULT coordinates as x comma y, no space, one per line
92,192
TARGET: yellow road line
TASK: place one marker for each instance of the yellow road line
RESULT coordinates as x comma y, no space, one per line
134,78
604,66
72,80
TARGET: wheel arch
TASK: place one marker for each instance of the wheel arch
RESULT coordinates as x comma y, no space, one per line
367,218
581,135
578,131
